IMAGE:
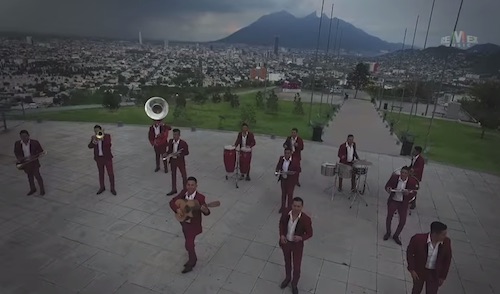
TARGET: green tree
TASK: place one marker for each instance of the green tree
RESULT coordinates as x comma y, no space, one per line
259,100
248,115
298,107
272,102
227,95
216,98
200,98
111,100
484,105
180,106
235,101
359,77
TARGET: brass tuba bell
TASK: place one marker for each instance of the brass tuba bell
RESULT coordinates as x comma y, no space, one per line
156,108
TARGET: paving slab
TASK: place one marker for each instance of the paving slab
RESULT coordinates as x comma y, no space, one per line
73,241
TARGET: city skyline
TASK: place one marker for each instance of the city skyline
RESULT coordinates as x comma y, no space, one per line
211,20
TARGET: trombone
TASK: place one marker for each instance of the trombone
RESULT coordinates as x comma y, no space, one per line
166,156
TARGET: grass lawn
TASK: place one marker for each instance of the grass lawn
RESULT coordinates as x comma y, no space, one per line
206,116
454,143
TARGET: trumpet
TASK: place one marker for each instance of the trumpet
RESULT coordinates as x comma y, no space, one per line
99,135
166,156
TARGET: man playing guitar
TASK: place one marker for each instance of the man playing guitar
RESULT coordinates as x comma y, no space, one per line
25,150
296,144
158,137
191,227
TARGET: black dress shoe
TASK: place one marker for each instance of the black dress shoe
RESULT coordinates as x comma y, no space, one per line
166,171
295,290
281,210
42,192
172,193
298,184
387,236
113,191
247,178
284,283
187,269
31,192
157,169
100,191
397,240
413,205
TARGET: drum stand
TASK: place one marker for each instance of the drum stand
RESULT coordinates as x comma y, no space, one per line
333,187
359,193
236,175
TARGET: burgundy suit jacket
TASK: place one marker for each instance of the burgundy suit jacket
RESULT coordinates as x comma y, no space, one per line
342,154
417,252
303,228
185,151
298,149
194,225
152,136
35,148
294,166
106,148
250,140
411,184
418,167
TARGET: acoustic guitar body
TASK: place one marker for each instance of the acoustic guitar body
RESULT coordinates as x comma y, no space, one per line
187,208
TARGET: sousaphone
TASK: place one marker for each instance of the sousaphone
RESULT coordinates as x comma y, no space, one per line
156,108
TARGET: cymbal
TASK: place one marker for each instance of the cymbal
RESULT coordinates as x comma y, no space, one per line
363,162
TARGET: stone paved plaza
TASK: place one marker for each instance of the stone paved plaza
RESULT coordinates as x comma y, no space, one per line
73,241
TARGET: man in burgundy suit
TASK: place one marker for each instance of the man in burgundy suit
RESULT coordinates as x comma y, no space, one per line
159,131
295,227
104,158
245,139
429,258
24,150
347,154
417,168
401,188
296,144
287,163
177,145
191,227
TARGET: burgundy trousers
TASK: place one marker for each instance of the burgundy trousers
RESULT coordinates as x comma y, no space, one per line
107,164
181,166
159,151
189,238
33,172
292,252
392,207
287,187
431,281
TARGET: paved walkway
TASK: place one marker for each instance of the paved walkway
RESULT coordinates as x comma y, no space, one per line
360,118
74,241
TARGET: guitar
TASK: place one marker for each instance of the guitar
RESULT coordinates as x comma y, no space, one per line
187,208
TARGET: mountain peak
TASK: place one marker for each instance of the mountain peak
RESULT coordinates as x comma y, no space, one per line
313,14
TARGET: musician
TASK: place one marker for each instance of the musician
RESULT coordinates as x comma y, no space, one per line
178,148
245,139
287,163
429,258
347,154
26,149
295,227
398,201
417,168
158,137
191,227
104,158
296,144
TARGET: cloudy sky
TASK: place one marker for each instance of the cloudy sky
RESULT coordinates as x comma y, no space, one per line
205,20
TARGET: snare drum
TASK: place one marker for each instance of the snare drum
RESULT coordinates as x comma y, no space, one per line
229,158
329,169
245,158
344,171
360,169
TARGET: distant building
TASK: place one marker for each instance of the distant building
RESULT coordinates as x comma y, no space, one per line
258,73
276,45
274,77
373,67
299,61
140,38
291,87
29,40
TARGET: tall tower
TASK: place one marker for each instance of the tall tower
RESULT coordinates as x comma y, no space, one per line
165,44
276,44
140,38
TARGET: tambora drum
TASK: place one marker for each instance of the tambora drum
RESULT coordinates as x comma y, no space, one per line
345,171
245,158
229,158
360,169
329,169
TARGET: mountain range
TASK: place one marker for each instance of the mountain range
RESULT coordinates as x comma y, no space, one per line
302,32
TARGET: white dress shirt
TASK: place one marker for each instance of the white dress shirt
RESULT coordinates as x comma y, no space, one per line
292,224
157,129
285,166
398,196
190,197
432,253
99,146
26,148
350,152
176,145
293,143
244,140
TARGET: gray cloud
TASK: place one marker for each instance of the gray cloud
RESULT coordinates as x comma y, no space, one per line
205,20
